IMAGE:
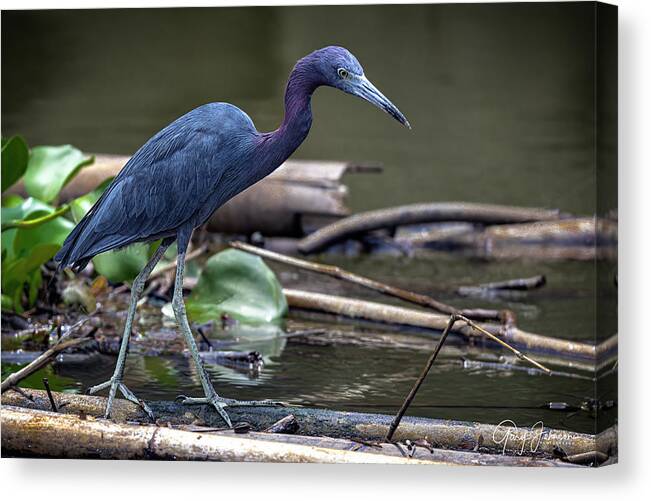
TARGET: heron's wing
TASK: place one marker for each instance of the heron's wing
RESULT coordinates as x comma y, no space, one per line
162,187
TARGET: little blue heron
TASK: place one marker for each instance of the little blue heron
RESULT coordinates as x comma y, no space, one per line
178,178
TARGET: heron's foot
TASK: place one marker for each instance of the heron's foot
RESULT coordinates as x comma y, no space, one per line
116,384
220,403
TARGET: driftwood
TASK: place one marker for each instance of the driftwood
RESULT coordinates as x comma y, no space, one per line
275,205
420,213
363,427
515,284
580,238
379,312
505,316
47,434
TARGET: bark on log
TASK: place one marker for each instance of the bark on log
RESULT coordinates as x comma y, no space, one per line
47,434
445,434
572,238
379,312
274,206
420,213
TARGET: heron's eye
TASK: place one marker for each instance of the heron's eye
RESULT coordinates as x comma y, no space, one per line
343,73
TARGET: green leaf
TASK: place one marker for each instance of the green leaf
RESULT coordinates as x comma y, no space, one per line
35,282
117,266
12,200
122,265
7,303
15,156
52,232
240,285
19,271
50,168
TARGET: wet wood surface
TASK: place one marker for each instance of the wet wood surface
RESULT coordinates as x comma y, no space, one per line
449,435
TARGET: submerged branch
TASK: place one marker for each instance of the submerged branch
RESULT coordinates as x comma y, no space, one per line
379,312
504,316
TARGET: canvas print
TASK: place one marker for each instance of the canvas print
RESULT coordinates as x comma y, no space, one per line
332,234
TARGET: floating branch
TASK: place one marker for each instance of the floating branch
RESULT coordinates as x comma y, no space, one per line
379,312
516,284
505,316
420,213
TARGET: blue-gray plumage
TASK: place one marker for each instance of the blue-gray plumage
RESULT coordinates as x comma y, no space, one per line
178,178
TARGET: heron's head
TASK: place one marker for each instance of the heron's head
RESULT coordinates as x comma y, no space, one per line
340,69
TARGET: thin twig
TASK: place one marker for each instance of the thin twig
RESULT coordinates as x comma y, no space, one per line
47,356
412,393
46,383
515,351
22,393
341,274
421,378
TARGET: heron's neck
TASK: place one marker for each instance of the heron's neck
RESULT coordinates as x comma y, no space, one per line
296,124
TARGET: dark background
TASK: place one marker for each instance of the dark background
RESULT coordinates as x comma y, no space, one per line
501,97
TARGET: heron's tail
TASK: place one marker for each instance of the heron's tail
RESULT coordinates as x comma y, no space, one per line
74,253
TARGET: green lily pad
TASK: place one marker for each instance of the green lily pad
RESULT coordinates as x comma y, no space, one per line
15,156
240,285
50,168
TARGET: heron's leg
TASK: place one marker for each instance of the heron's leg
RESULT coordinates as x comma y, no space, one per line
211,396
115,383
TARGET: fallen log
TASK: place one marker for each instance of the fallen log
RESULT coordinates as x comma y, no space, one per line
47,434
274,206
379,312
442,434
581,238
420,213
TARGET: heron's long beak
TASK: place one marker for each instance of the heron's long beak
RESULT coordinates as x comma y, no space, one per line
366,90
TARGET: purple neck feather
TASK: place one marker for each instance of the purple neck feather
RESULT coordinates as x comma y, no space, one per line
282,142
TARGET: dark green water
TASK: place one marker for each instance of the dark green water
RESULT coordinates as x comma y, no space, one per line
376,379
500,96
501,102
